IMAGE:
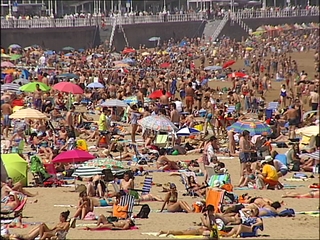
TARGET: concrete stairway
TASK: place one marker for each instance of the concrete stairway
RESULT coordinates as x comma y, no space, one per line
210,28
219,28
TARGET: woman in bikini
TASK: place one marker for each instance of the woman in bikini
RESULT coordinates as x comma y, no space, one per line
172,202
200,190
311,194
85,206
44,232
11,204
103,223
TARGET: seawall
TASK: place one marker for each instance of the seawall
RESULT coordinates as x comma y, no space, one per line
51,38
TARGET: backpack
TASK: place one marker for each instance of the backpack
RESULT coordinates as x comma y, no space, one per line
144,211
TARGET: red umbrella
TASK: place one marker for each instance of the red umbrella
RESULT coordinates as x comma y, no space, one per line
237,74
158,94
165,65
228,63
73,156
68,87
128,50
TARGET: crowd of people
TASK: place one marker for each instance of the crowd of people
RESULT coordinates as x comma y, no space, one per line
171,82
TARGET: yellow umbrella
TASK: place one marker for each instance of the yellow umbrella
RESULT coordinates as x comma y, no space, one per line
28,113
145,54
165,53
249,48
7,71
257,33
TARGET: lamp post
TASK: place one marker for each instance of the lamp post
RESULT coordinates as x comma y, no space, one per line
164,6
9,4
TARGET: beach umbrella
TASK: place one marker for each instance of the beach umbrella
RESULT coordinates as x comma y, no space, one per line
129,61
10,87
212,68
14,166
186,131
308,131
81,50
15,57
32,86
158,93
25,74
122,65
68,49
145,54
228,63
68,87
157,123
73,156
8,71
105,163
14,46
128,50
7,64
21,81
255,127
49,52
114,103
68,75
68,54
249,48
237,74
28,113
134,100
154,39
165,65
95,85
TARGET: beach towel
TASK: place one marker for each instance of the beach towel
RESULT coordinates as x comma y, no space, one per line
166,211
90,216
109,229
310,213
285,186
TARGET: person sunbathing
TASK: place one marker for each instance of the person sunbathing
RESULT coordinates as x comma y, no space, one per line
103,223
251,224
8,186
311,194
85,206
172,202
164,163
44,232
198,189
11,204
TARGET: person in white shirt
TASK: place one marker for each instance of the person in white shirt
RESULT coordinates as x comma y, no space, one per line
178,105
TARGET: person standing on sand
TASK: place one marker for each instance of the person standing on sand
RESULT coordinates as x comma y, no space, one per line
135,115
37,98
6,111
245,150
69,123
189,97
314,99
293,118
174,115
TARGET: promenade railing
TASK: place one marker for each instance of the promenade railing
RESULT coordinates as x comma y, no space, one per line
132,19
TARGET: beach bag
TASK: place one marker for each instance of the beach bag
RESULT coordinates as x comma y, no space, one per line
144,211
120,211
288,212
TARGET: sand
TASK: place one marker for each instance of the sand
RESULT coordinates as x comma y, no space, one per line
301,226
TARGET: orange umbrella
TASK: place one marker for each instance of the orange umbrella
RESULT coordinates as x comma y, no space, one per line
7,71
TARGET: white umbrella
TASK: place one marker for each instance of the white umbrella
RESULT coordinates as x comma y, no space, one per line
308,131
114,103
10,87
157,123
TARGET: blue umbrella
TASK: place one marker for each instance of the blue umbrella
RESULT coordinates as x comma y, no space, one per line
255,127
68,54
212,68
95,85
49,52
186,131
183,43
129,61
68,75
25,74
81,50
154,39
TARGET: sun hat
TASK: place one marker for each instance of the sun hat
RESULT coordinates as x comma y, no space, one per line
268,158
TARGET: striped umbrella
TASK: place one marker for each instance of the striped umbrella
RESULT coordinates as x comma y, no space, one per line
315,155
10,87
186,131
105,163
134,100
255,127
157,123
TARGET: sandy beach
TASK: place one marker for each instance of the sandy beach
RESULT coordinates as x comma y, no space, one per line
298,227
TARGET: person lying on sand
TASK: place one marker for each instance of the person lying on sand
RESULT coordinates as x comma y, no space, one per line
207,220
164,163
11,204
8,186
252,223
311,194
44,232
119,225
172,202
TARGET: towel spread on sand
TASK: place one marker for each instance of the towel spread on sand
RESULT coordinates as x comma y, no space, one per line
310,213
166,211
296,179
74,206
155,234
109,229
285,186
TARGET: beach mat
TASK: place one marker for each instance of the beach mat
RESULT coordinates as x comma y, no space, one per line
155,234
166,211
296,179
23,226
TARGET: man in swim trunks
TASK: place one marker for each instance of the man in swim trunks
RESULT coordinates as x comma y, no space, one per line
189,97
6,111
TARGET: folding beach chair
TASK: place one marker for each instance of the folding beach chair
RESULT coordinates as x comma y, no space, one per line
273,105
222,178
215,198
127,200
139,158
210,171
147,185
184,179
161,140
23,201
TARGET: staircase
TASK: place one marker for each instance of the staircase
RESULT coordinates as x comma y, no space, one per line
114,25
243,25
219,28
210,28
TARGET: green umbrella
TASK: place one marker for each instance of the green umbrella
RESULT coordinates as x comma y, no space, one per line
14,166
31,87
15,57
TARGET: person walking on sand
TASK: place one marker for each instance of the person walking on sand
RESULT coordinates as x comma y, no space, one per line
134,117
6,111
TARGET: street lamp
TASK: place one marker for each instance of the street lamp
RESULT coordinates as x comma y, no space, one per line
164,6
